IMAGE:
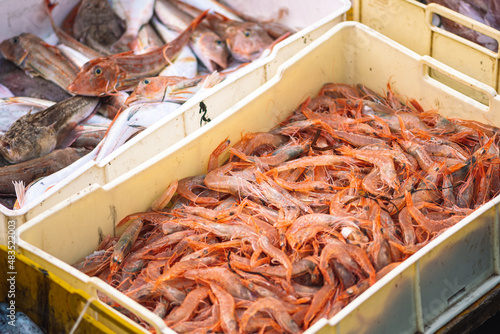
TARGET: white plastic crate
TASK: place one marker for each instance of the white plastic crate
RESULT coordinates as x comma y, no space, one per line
187,119
421,294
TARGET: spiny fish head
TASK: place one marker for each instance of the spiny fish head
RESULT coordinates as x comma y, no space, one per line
96,78
150,89
214,51
153,89
246,41
20,148
14,49
8,153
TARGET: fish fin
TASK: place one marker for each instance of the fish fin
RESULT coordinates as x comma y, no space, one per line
68,135
197,20
20,190
221,17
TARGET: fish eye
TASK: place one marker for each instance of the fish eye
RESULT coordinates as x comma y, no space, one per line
15,40
247,33
98,71
218,42
147,82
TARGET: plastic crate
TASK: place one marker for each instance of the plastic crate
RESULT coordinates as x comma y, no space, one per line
187,119
409,22
52,303
350,53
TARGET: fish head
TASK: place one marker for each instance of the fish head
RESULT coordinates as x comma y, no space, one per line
14,49
18,148
247,41
148,89
97,77
213,51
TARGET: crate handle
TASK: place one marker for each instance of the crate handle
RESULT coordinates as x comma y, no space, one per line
465,80
482,28
131,305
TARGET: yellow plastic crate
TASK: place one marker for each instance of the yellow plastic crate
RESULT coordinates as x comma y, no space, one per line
52,303
409,23
425,291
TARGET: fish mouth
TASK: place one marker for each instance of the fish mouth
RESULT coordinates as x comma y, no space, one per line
247,56
74,89
215,65
131,99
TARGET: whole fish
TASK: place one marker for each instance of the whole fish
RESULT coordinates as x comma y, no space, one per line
34,135
11,109
21,84
36,57
131,121
44,186
214,6
246,40
123,71
185,65
273,28
206,44
135,13
155,89
97,25
66,38
33,169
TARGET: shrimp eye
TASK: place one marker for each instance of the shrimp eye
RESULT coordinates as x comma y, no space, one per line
15,40
218,42
247,33
147,82
98,71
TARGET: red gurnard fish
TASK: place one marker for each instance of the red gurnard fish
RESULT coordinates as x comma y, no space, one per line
123,71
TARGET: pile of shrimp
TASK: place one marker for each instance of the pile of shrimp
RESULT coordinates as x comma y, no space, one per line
301,220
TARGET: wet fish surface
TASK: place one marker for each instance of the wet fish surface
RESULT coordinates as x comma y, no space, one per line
21,84
96,25
33,169
38,58
34,135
